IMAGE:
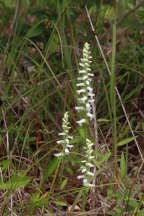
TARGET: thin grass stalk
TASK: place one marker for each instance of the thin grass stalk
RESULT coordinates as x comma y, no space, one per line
84,195
76,201
116,89
112,90
46,62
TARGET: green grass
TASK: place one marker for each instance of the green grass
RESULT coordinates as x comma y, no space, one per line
39,63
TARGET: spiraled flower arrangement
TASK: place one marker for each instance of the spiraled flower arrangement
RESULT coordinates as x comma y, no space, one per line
84,89
85,97
65,141
87,164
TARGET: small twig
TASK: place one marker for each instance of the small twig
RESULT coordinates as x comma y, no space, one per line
118,94
8,151
139,110
129,12
7,135
15,15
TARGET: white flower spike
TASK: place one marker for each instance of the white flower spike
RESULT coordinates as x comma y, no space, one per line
87,165
66,138
85,91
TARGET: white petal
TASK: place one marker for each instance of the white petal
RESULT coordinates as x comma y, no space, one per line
79,84
86,64
79,108
81,64
67,151
83,78
90,173
80,176
91,94
82,71
59,141
67,141
91,157
58,154
81,91
69,146
91,100
90,89
62,134
88,107
82,121
89,69
83,170
89,164
91,116
83,99
87,82
90,74
86,184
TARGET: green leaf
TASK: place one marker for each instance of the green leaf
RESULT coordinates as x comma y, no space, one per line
9,3
4,164
49,169
97,164
141,213
19,181
60,203
132,204
105,157
63,184
82,132
36,32
69,170
124,132
125,141
5,186
35,197
123,171
16,182
132,92
103,120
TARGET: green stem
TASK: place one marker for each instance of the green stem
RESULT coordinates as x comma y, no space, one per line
112,88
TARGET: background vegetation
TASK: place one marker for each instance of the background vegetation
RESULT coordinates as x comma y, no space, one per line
41,45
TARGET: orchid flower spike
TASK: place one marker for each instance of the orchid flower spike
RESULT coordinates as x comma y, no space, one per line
65,141
84,89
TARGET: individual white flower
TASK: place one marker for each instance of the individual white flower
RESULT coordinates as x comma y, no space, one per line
82,121
79,84
83,78
86,184
91,116
90,74
61,134
82,71
89,164
81,91
90,173
83,99
59,141
59,154
80,177
79,108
